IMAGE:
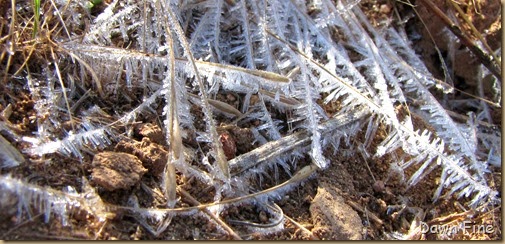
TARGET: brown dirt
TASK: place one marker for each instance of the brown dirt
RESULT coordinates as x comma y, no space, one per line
349,200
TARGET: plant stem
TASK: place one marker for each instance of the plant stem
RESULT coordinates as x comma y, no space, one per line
36,10
483,57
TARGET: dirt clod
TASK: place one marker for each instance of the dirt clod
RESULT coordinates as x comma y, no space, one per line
379,186
333,218
152,155
153,132
113,170
244,139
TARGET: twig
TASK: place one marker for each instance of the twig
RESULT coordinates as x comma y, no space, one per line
367,166
308,232
466,118
195,202
475,31
268,225
20,225
358,208
483,57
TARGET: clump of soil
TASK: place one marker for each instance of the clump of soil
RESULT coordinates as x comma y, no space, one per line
152,155
113,171
153,132
333,219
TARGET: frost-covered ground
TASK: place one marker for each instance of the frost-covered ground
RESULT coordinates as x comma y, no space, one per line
240,119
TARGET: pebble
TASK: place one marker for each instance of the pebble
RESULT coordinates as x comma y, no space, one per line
230,97
263,217
379,186
385,9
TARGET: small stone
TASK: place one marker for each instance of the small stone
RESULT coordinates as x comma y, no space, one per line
230,97
254,99
113,171
263,217
379,186
229,146
382,205
385,9
244,139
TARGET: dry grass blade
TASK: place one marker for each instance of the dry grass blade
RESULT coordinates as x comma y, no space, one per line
260,73
58,73
358,208
224,107
274,223
94,76
299,139
133,54
220,157
174,135
13,229
301,175
282,98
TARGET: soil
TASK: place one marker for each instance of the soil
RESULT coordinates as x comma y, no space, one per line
113,171
348,200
